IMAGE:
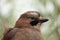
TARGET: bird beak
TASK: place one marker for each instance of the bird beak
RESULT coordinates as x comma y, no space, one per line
43,20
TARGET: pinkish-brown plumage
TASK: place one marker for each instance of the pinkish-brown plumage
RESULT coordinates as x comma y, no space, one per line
25,27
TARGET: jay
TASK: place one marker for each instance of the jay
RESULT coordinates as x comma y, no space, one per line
27,27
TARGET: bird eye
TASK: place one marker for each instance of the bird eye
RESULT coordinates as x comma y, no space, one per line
32,18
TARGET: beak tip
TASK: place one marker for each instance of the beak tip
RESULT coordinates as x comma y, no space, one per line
47,19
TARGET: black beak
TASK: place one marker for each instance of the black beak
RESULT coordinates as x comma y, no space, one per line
43,20
36,21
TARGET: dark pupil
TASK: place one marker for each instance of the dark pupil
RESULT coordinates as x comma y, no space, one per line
32,18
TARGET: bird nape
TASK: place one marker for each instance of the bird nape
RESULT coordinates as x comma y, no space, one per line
24,28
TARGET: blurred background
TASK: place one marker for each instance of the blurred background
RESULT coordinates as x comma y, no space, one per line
10,11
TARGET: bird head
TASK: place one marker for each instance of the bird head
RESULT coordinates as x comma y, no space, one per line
30,19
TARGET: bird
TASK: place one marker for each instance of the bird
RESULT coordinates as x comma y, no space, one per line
26,27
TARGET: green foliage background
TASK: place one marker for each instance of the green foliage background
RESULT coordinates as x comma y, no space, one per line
54,25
